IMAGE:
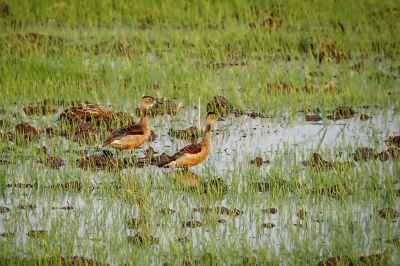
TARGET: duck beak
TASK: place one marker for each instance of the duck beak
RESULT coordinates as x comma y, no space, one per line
221,119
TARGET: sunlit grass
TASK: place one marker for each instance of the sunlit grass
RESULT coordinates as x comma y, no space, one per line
262,57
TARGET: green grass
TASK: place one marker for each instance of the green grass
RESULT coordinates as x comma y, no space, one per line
113,53
79,64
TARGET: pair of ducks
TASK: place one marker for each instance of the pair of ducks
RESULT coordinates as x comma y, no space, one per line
132,136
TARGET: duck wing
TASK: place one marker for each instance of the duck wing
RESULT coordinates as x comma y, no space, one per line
190,149
134,129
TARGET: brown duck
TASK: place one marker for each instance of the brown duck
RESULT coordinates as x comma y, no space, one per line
132,136
194,154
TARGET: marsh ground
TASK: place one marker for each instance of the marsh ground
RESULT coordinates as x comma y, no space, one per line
313,91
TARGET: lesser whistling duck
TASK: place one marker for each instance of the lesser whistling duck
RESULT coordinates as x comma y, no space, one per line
132,136
194,154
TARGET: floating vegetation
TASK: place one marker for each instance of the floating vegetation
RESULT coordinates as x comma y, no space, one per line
78,260
388,213
84,133
389,154
7,234
135,223
160,160
162,107
336,260
393,141
86,112
66,208
69,186
268,225
21,185
255,115
215,186
364,154
51,161
364,117
191,224
318,163
261,186
166,211
312,117
38,234
53,260
301,214
148,159
220,105
45,107
218,65
259,161
26,131
188,133
4,209
282,184
338,190
331,53
100,162
220,210
271,210
183,239
143,239
395,241
28,206
341,112
279,87
375,259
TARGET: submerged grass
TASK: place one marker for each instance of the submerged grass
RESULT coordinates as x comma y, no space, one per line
281,60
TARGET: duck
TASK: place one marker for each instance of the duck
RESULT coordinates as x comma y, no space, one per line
132,136
194,154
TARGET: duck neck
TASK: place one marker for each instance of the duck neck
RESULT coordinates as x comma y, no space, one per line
143,119
206,136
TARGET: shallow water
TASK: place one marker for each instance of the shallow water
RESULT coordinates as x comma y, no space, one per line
98,220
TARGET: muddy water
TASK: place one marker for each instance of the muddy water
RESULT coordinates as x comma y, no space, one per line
97,221
238,139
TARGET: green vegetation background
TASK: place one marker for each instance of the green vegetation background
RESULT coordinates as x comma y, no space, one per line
113,51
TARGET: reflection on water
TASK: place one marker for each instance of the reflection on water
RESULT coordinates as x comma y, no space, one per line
185,179
98,220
